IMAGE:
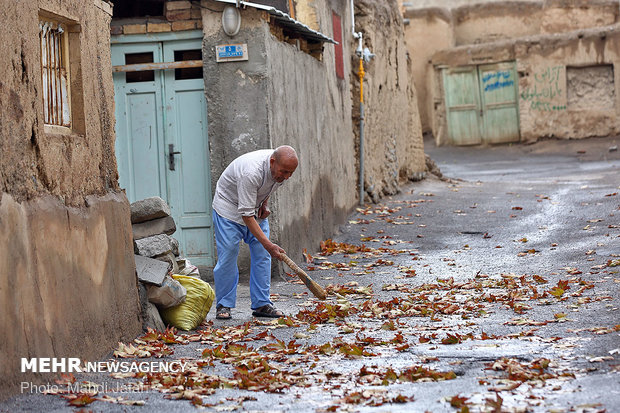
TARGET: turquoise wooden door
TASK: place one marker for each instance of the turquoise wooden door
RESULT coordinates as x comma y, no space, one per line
462,105
500,115
481,104
162,144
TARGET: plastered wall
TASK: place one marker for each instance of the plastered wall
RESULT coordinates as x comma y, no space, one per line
567,15
429,30
443,24
282,95
543,87
582,104
67,277
311,108
479,23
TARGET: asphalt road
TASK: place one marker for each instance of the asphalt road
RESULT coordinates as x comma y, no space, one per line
497,290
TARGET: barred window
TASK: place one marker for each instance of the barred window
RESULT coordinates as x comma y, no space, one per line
55,73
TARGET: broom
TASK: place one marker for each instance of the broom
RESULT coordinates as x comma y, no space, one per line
316,289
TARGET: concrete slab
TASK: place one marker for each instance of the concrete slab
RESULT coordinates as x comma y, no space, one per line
150,270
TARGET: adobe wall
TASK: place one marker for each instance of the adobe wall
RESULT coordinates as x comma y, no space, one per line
568,84
480,23
68,285
568,15
429,30
393,145
310,108
442,24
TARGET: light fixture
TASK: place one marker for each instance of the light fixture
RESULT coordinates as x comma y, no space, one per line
231,20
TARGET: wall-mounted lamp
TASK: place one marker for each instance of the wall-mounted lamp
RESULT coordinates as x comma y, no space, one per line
231,20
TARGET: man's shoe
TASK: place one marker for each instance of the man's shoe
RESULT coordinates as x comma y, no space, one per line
222,313
267,311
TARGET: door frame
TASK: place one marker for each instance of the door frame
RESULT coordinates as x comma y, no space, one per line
162,38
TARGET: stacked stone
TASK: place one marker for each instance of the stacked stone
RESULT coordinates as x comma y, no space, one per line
152,226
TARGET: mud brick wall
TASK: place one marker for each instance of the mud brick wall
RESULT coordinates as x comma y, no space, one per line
67,276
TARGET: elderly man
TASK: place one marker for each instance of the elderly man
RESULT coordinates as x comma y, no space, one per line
240,212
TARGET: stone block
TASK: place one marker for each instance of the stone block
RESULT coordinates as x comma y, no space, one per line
183,25
175,246
169,258
153,246
134,28
151,318
157,226
148,209
177,5
150,270
158,27
176,15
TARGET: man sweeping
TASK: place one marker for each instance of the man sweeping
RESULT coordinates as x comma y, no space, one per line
240,213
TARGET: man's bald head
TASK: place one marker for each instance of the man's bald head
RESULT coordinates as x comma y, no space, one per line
283,163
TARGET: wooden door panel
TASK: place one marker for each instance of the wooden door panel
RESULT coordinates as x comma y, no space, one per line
499,102
462,105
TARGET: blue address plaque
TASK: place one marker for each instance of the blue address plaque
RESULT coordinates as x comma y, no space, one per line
231,52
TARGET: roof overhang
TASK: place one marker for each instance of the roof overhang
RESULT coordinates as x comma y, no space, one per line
284,20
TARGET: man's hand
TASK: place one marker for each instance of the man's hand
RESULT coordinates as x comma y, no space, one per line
274,250
263,211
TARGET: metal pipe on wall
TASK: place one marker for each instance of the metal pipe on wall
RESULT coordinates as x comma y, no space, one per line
359,52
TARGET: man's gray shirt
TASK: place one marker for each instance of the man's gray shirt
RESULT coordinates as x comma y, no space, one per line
244,185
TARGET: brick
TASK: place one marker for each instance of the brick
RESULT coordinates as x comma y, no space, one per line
183,25
177,5
116,30
176,15
134,28
196,13
158,27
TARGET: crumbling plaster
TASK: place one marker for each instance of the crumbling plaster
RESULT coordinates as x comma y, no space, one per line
393,151
67,277
487,21
542,90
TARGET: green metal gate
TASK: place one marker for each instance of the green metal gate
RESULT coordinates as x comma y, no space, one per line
481,104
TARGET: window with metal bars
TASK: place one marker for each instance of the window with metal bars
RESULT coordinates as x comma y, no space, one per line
55,74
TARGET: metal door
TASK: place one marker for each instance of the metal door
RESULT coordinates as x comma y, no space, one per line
462,105
161,138
481,104
500,115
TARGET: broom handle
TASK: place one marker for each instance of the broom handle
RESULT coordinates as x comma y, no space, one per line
316,289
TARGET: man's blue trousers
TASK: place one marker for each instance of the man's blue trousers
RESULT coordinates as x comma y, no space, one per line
228,237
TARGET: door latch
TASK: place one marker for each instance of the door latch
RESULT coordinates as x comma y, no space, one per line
171,154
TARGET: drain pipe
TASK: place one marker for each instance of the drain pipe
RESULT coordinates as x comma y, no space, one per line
360,73
365,55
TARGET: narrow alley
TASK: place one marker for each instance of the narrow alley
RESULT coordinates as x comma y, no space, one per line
495,289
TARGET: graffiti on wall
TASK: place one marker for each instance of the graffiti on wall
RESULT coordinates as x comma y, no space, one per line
546,91
497,80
